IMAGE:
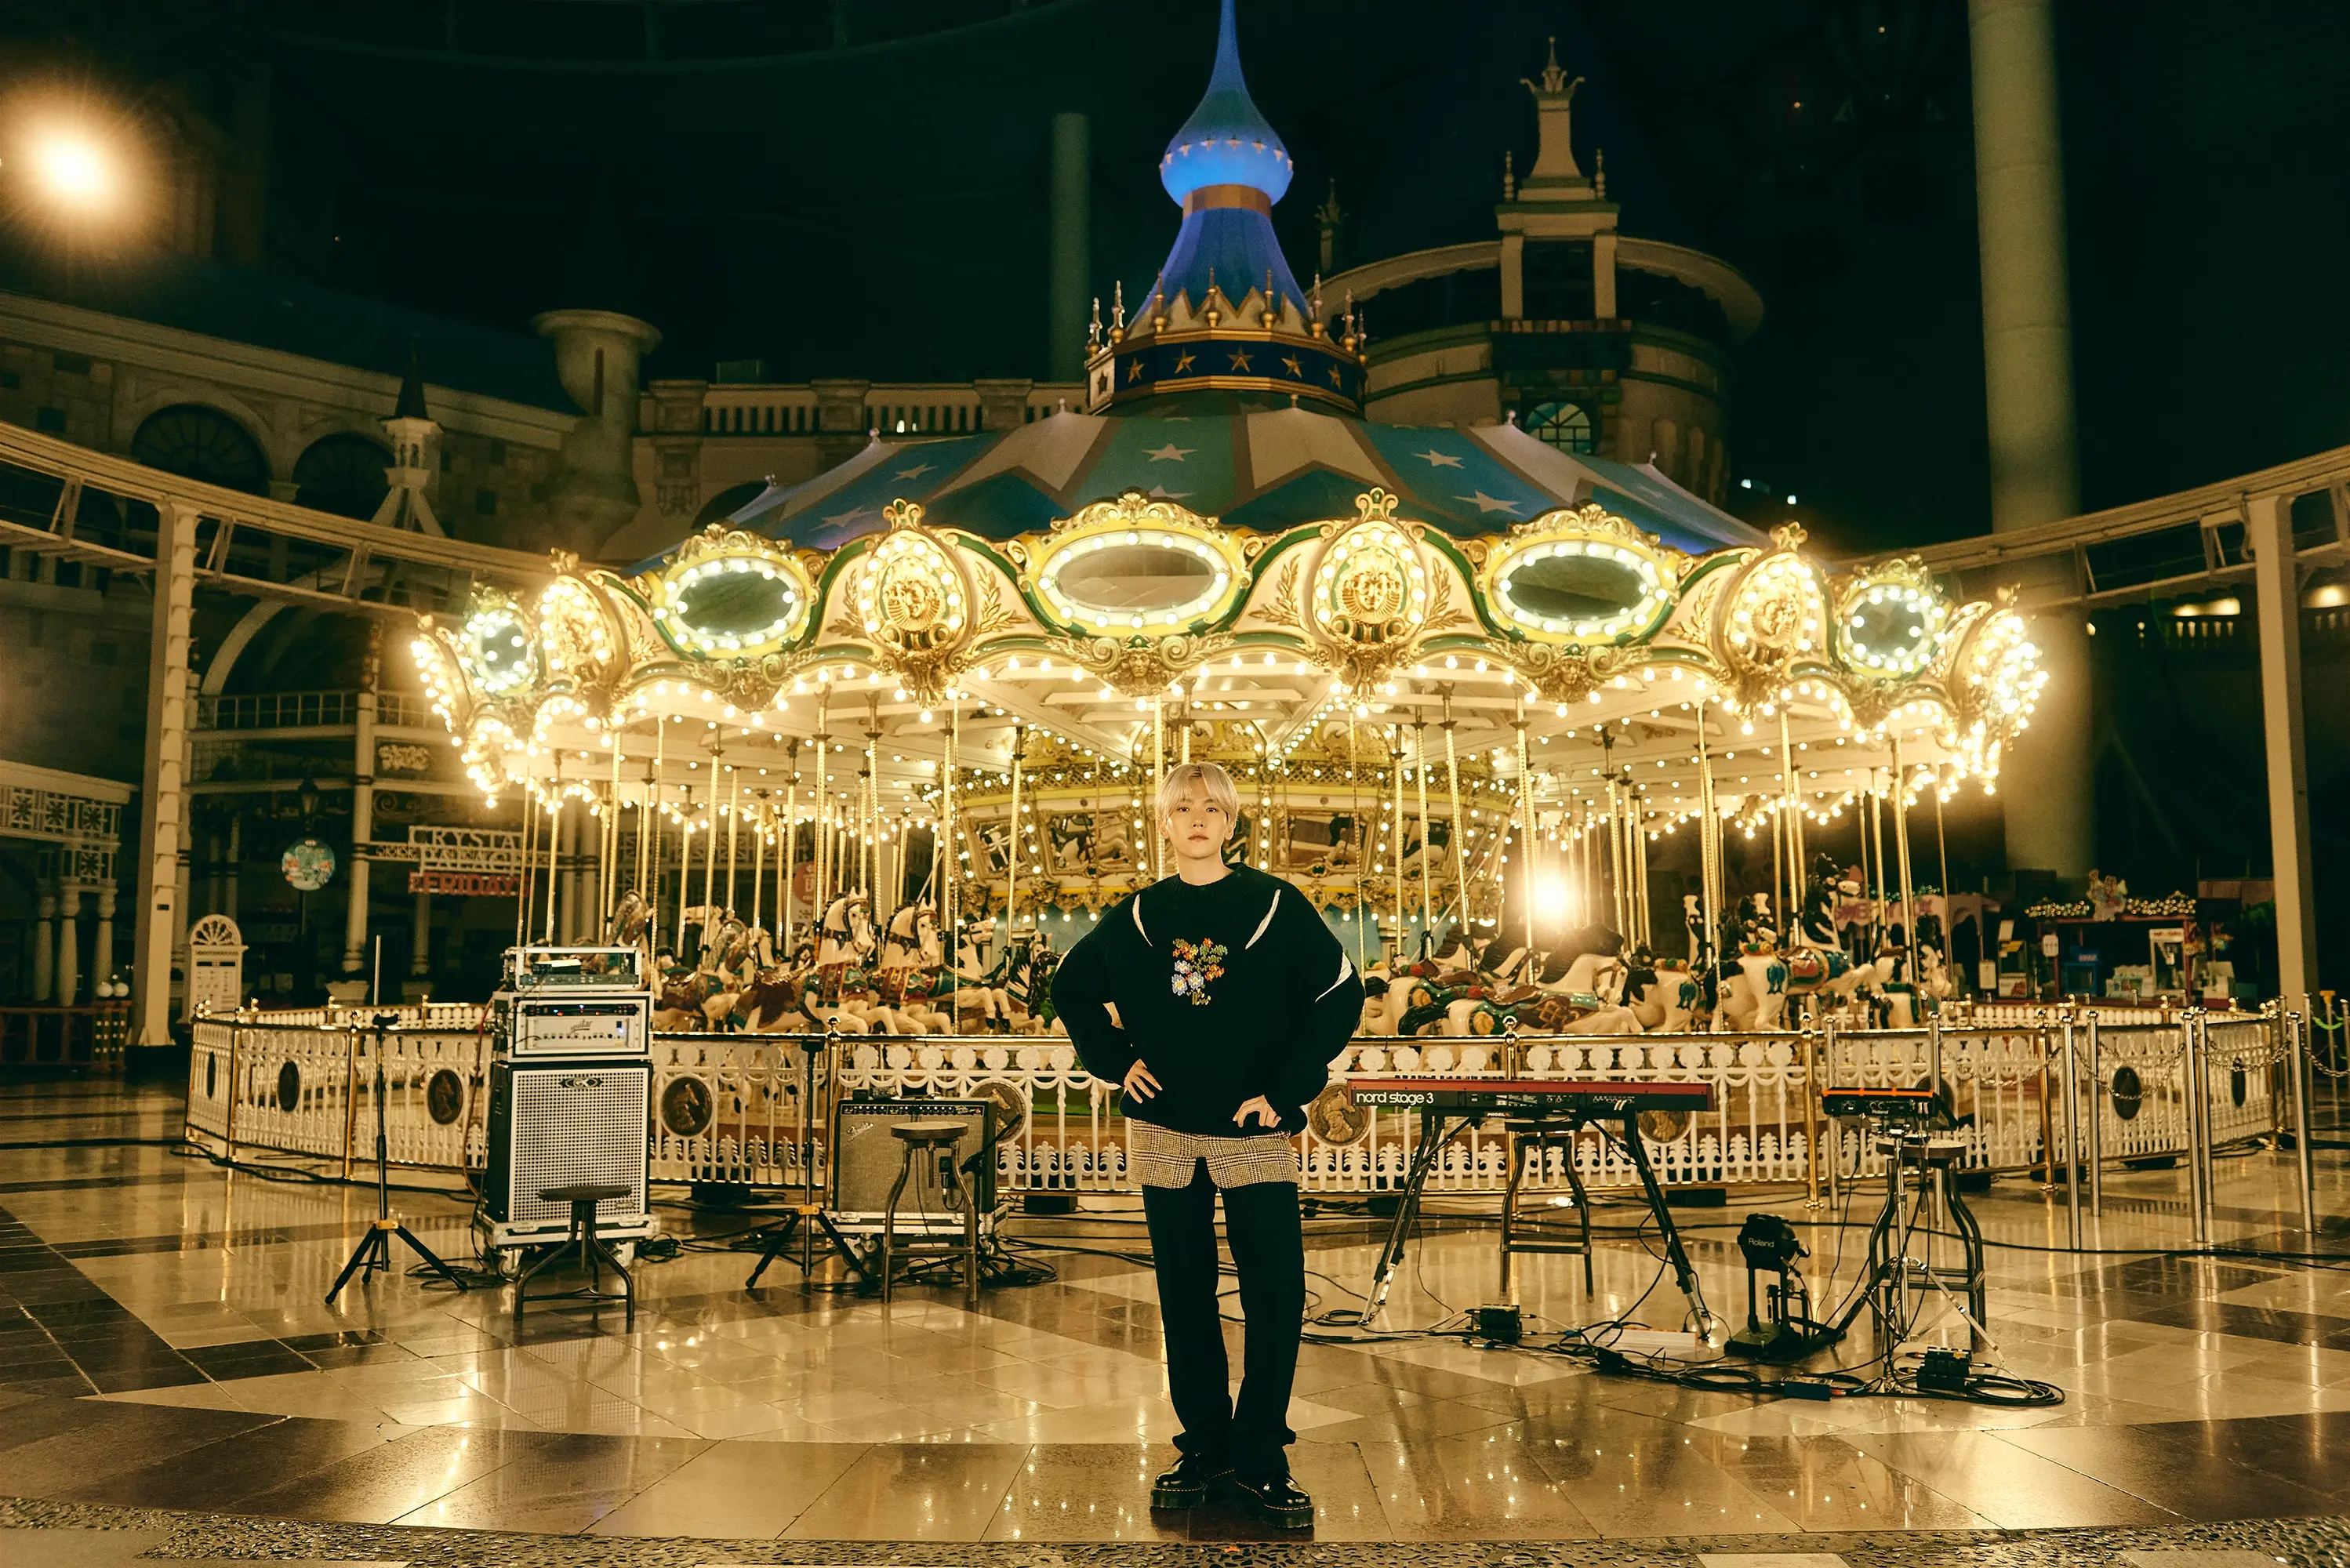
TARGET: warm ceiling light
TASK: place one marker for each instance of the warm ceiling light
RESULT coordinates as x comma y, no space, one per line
73,168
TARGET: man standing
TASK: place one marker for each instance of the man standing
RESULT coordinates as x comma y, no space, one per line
1217,999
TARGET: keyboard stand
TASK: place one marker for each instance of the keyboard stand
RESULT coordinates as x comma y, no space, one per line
1423,1160
1675,1254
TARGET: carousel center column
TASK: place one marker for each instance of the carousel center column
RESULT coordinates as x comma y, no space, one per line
2045,778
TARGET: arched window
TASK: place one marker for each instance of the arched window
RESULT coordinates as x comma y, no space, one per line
729,501
1566,426
343,474
202,443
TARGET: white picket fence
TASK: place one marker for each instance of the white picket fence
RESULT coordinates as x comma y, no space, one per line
746,1109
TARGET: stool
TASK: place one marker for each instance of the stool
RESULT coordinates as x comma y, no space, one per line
593,1251
936,1138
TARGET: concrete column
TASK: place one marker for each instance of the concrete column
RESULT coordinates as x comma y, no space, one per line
1603,275
419,947
2028,384
1514,275
231,877
355,888
1003,403
2268,530
163,798
840,419
44,946
69,945
1071,263
597,353
101,959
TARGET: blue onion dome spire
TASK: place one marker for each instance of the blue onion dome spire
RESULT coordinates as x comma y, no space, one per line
1225,313
1226,141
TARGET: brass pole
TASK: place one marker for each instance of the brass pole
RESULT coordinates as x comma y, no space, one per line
1427,876
1394,761
733,820
791,853
1011,861
1453,792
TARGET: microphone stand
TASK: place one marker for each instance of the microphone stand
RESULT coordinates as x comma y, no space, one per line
374,1250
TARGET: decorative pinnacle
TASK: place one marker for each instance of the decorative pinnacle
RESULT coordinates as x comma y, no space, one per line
1553,80
1509,175
1375,505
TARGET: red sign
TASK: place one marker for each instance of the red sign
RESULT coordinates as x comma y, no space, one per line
483,884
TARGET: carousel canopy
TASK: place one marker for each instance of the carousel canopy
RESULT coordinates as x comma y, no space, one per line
1266,473
1432,658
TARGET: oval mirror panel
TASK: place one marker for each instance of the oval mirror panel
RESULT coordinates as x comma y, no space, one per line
1124,578
1573,588
748,605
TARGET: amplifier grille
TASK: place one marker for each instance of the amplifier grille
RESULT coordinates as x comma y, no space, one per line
577,1123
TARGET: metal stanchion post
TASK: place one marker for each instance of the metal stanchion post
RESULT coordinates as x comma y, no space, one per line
235,1057
350,1096
2296,1029
2097,1118
2197,1128
1811,1086
1834,1136
2072,1071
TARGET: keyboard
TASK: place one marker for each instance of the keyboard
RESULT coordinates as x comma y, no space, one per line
1558,1096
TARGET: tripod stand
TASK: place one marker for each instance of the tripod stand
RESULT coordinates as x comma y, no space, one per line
374,1250
1894,1276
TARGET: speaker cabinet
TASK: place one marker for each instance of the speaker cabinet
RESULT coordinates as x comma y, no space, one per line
561,1124
866,1158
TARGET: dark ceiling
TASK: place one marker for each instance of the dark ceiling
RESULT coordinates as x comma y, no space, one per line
845,187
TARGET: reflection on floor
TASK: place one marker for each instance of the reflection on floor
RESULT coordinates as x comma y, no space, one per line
163,1345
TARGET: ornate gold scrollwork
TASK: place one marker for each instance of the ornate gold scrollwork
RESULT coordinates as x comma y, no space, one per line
1369,593
1774,614
913,603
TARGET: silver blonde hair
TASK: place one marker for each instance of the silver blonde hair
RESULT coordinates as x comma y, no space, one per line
1208,776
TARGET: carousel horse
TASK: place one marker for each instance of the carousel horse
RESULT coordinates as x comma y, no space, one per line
843,939
1816,924
630,920
910,975
1664,998
774,1003
1829,980
979,987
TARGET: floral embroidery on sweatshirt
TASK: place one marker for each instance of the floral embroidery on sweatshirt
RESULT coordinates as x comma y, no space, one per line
1197,964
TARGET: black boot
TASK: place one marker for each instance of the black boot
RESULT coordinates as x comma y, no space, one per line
1186,1486
1278,1501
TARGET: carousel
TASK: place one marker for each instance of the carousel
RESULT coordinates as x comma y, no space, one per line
883,742
927,729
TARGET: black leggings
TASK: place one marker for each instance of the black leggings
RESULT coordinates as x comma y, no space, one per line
1268,1248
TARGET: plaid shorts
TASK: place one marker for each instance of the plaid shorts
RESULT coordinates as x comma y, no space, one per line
1161,1157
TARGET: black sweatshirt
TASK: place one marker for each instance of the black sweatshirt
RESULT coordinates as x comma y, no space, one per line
1228,991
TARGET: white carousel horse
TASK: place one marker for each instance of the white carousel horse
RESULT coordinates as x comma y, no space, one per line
1592,974
909,973
1753,992
1667,1001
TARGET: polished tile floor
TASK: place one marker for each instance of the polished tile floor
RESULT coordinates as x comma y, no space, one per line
163,1345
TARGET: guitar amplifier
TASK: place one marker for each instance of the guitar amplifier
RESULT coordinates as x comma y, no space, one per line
865,1160
572,1024
563,1124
